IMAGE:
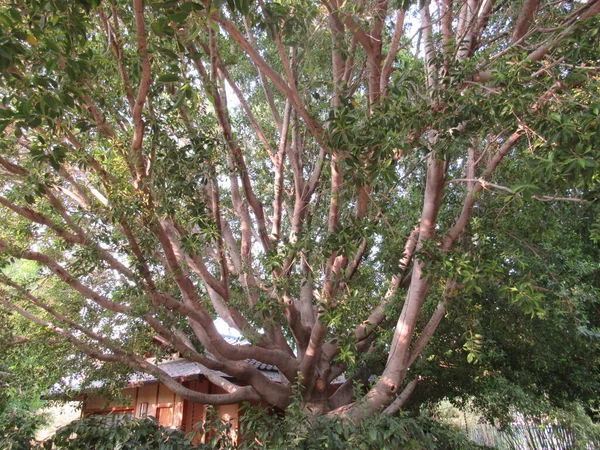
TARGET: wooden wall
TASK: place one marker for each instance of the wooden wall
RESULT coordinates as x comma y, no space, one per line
170,409
156,399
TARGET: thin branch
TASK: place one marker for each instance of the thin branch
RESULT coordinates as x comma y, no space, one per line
119,355
68,237
143,88
237,156
427,332
255,125
386,71
263,78
428,47
465,215
312,123
402,398
64,275
114,38
279,176
366,328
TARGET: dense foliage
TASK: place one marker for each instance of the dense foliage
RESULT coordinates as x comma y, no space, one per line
126,434
379,432
401,192
18,427
260,431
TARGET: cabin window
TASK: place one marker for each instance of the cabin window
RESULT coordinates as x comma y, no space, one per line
143,409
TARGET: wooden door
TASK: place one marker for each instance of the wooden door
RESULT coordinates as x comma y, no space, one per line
164,415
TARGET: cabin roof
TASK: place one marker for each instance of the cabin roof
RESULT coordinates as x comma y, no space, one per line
179,368
186,369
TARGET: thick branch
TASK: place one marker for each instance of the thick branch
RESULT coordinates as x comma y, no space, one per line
393,375
526,16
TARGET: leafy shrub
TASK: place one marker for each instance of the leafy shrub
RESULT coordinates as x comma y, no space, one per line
18,427
378,432
259,430
94,433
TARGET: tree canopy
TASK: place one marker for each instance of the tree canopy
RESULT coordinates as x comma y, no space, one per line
341,182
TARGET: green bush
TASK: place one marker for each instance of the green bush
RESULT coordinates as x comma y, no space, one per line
18,427
377,433
297,429
259,429
94,433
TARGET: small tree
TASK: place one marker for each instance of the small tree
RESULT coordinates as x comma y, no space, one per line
317,174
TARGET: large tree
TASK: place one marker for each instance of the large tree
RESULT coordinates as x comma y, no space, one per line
330,178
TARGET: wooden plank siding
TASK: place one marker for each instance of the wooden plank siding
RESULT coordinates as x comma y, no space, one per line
155,399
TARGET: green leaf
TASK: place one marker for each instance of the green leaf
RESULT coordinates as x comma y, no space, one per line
179,17
168,78
158,27
191,6
34,122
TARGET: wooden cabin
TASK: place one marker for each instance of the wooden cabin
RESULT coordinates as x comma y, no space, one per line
146,396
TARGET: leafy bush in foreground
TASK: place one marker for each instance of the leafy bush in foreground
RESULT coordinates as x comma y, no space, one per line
378,432
263,431
94,433
18,427
259,429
